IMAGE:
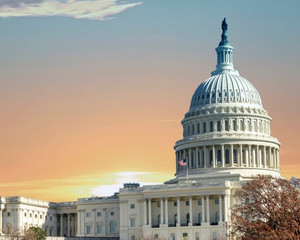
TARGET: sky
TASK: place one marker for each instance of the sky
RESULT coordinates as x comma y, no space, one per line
92,92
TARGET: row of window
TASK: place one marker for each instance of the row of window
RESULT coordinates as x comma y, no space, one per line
187,203
184,236
227,125
112,228
89,214
30,215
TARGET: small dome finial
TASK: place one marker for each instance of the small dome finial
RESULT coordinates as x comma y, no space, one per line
224,33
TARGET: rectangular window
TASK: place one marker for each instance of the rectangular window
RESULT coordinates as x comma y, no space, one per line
35,215
25,214
216,201
175,204
132,222
88,229
197,236
158,204
185,235
132,237
172,236
204,127
98,228
214,235
199,202
187,203
98,214
132,206
8,214
88,214
41,216
50,218
155,236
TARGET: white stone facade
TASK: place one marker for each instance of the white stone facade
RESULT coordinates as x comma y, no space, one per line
226,141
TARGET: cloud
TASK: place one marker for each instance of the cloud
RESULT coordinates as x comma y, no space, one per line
79,9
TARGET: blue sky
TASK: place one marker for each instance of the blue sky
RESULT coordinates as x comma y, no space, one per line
86,82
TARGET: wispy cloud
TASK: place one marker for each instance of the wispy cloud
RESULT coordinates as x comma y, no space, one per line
79,9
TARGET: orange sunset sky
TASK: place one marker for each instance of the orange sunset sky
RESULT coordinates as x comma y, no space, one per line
90,101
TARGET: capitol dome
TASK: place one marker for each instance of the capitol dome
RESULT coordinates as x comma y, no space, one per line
226,130
226,89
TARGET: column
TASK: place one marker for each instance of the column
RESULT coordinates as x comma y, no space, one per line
274,158
207,210
191,211
226,207
270,158
205,157
203,209
145,211
253,157
249,156
223,158
61,225
68,224
220,209
178,212
161,211
149,213
78,222
95,215
258,156
265,157
83,225
197,157
177,159
277,158
241,156
231,155
1,208
190,159
75,224
213,156
166,212
201,158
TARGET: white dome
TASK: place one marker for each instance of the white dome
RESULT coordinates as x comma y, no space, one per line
224,89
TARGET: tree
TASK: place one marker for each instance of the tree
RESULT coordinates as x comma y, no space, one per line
269,208
35,233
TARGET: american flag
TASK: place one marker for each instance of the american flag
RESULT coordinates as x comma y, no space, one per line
182,162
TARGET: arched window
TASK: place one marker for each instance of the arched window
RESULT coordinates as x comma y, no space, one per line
211,127
234,125
219,126
112,227
226,125
234,155
227,156
242,125
219,156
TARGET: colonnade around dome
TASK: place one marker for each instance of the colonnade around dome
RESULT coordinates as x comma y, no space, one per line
228,156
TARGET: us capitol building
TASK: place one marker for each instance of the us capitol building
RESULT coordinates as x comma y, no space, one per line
226,141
